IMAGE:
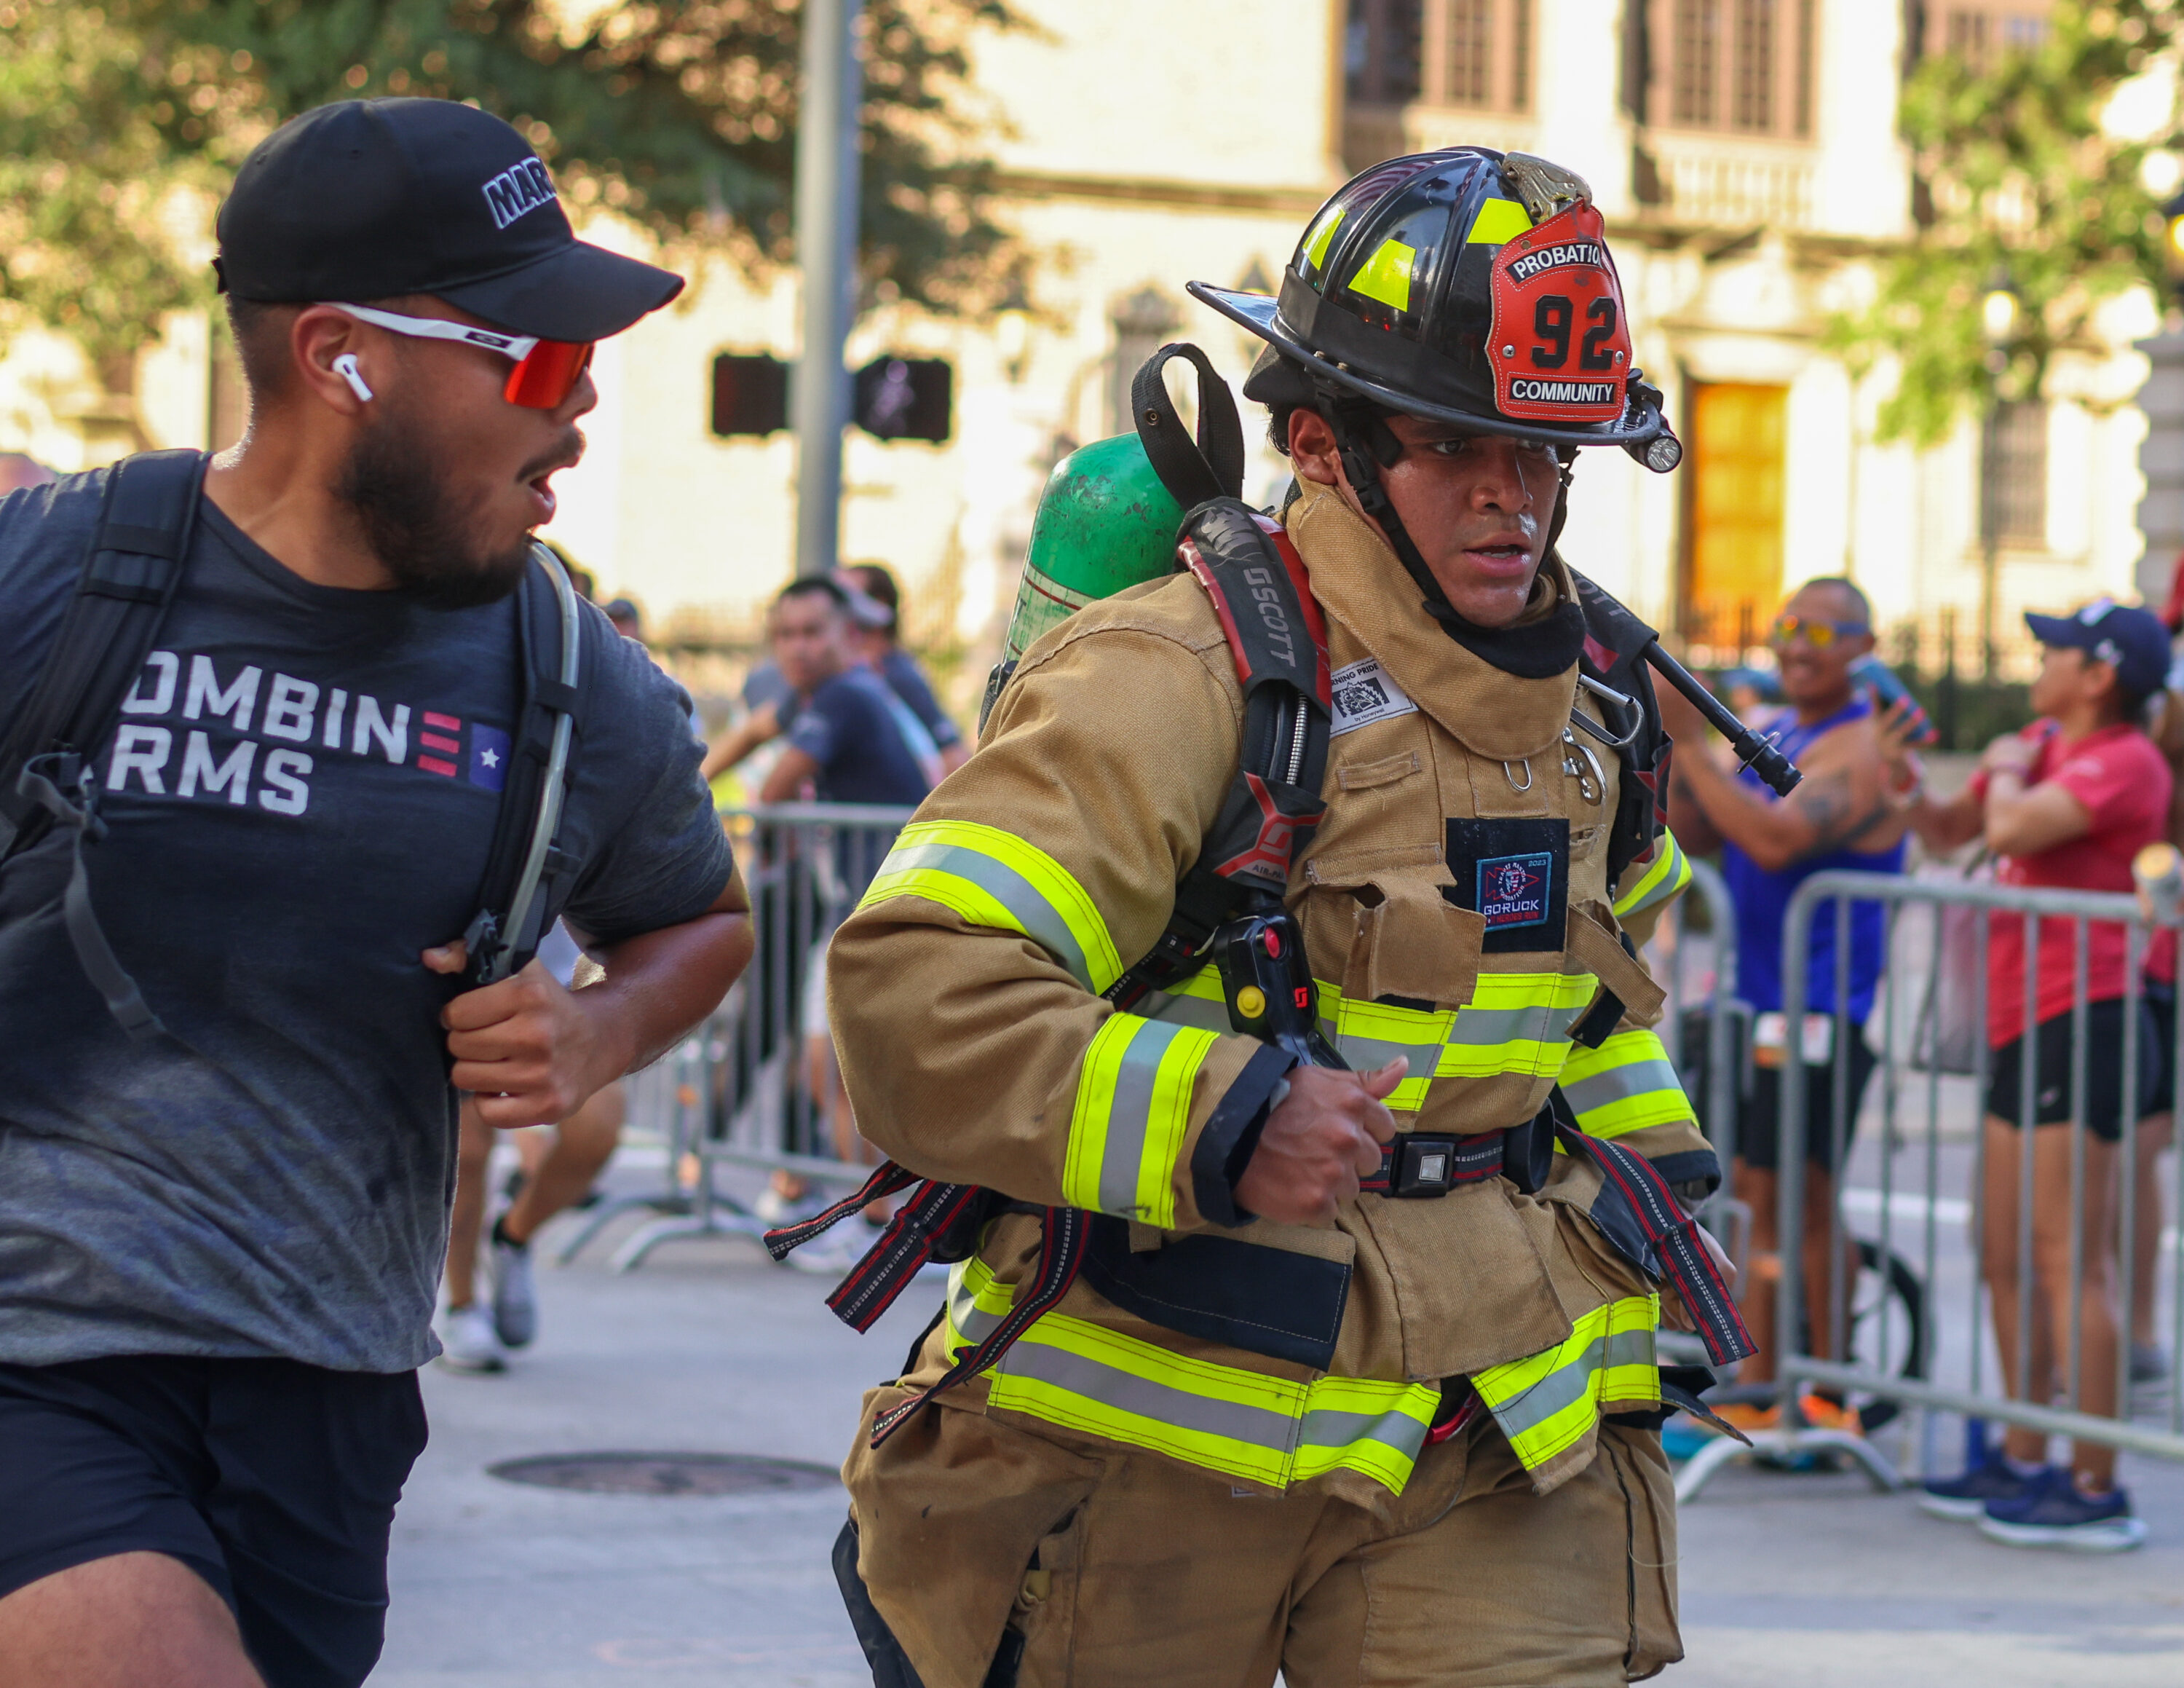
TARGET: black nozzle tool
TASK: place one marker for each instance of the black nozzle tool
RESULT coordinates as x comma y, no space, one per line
1759,754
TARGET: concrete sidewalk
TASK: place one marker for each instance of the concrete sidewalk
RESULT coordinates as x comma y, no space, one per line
1787,1580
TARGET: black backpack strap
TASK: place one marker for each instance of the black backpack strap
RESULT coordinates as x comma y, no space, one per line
525,871
129,577
46,772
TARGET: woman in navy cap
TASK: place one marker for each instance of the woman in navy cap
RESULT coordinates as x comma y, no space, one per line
2067,803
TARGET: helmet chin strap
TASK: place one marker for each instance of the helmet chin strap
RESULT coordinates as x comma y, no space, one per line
1366,445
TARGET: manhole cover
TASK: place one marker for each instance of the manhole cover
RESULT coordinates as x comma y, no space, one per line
628,1473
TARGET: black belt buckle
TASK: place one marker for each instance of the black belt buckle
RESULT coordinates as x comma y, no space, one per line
1424,1166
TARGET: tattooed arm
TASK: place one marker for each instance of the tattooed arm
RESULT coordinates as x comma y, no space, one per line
1842,804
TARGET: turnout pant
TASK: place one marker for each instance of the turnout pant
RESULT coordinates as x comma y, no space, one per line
987,1555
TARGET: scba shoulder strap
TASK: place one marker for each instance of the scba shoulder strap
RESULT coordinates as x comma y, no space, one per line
1614,656
131,571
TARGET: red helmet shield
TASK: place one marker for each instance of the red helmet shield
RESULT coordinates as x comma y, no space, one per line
1560,346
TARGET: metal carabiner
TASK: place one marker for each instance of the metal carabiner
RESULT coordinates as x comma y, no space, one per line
1598,792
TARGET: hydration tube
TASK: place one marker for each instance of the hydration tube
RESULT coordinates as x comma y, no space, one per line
557,764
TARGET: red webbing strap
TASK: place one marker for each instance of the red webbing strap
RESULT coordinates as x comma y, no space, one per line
885,1182
1661,1217
892,1263
1061,1252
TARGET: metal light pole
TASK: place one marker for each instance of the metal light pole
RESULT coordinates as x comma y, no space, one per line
827,189
1998,324
2161,457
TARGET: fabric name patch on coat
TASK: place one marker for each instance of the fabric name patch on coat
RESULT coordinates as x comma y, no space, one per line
1514,874
1363,694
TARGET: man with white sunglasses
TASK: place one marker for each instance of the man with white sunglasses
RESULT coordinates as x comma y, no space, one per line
222,1221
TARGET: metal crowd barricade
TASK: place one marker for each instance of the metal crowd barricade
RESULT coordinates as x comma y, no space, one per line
1706,1027
1916,1162
755,1086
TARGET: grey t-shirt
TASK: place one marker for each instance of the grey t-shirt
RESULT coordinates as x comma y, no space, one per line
301,796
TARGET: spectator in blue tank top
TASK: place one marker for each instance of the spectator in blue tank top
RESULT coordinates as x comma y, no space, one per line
1839,816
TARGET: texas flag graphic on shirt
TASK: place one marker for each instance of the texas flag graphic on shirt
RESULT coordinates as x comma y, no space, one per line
442,749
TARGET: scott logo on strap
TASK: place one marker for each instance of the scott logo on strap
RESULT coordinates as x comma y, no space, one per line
1516,891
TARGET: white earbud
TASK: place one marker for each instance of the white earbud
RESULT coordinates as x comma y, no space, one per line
345,366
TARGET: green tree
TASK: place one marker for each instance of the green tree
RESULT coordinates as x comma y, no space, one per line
99,195
679,114
2014,176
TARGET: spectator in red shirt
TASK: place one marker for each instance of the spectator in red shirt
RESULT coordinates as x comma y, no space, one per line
2067,803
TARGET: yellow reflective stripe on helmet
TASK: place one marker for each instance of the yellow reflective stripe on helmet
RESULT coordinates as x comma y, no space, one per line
1625,1084
1271,1430
1133,1112
1386,275
1498,220
1315,243
977,1303
1548,1403
993,878
1668,873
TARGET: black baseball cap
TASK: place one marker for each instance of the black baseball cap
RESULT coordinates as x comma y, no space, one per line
373,198
2133,641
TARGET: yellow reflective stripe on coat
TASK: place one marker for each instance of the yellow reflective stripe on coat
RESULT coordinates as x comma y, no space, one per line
1198,1000
1625,1084
1271,1430
1550,1402
993,878
1667,874
1515,1023
977,1303
1133,1113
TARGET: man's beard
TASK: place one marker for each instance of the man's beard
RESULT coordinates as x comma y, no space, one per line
415,524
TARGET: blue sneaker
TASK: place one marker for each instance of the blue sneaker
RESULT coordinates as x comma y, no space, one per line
2052,1512
1965,1498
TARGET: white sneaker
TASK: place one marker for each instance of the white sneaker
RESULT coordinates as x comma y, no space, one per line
468,1342
776,1210
515,1295
832,1253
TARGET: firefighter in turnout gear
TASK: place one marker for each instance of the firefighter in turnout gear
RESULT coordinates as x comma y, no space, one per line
1342,1360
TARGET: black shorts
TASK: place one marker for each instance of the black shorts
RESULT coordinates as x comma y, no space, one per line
273,1480
1759,1122
2052,1077
2161,1003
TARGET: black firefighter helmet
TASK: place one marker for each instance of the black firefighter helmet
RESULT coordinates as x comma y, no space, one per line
1465,285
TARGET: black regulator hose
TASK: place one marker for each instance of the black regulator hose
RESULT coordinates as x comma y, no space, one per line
1760,755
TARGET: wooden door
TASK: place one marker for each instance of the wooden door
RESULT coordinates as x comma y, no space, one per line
1733,579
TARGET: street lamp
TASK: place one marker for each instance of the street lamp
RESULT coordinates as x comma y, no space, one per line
2000,308
2172,243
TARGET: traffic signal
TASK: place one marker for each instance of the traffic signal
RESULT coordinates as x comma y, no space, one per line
902,398
751,395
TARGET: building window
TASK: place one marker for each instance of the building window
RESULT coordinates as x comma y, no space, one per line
1475,53
1383,54
1982,32
2014,477
1741,65
1143,323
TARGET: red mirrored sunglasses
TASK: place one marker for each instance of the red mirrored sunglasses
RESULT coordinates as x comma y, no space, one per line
546,371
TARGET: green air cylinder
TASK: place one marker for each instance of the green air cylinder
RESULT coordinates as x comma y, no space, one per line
1104,522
